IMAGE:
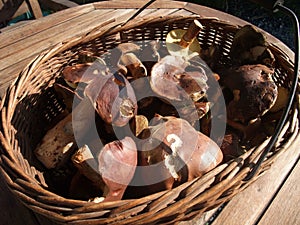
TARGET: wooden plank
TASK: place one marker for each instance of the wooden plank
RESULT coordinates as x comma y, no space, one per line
285,208
35,8
77,27
46,38
10,77
12,71
13,35
125,4
182,12
246,207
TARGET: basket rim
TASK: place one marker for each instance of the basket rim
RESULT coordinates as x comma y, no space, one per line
23,180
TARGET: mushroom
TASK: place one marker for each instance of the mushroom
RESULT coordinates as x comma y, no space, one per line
249,46
117,162
83,72
252,134
138,124
253,89
189,112
73,74
135,70
59,142
171,80
117,54
134,65
175,152
184,43
113,170
113,98
282,99
231,146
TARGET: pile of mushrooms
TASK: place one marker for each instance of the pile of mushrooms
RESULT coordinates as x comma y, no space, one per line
163,139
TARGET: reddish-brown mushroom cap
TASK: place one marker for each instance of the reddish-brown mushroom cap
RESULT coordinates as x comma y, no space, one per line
169,79
117,162
113,98
250,46
84,72
183,152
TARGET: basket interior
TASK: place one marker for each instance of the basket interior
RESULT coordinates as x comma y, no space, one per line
40,107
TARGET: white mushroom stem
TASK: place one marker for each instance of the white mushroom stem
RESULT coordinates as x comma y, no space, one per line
170,160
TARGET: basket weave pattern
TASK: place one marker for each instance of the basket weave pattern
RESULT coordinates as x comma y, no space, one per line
31,107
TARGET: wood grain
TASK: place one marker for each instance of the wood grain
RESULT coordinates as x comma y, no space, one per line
13,34
285,208
125,4
246,207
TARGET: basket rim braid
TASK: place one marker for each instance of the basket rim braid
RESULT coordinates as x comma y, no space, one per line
184,202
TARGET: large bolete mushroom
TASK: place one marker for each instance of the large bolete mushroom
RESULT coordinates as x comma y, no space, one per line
113,98
171,80
113,170
176,152
116,164
253,89
249,46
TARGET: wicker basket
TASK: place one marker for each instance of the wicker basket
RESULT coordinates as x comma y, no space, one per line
31,105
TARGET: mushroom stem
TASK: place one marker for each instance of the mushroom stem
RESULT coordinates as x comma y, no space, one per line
84,160
190,34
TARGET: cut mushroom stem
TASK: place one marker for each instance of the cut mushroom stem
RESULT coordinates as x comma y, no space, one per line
190,34
184,42
85,162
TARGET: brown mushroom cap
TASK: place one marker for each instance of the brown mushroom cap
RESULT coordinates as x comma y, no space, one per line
117,162
254,91
250,46
84,72
113,98
169,79
183,152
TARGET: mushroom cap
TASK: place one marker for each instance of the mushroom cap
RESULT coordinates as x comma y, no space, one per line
255,91
117,161
197,151
250,46
170,79
113,98
83,72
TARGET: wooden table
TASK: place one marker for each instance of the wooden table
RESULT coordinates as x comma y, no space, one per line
273,199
